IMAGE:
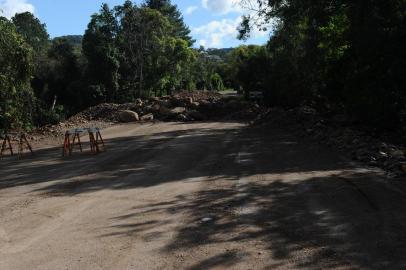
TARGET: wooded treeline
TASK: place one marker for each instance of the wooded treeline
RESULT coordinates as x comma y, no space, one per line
341,56
127,51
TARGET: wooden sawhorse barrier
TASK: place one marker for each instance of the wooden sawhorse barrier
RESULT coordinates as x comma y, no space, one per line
72,138
96,140
23,144
6,145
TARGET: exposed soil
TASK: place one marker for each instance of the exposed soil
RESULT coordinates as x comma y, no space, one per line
208,195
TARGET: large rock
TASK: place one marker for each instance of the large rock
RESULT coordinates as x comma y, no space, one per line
178,110
128,116
147,117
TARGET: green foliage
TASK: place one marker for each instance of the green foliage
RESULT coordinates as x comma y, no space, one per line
64,76
74,40
171,12
247,67
216,82
340,55
16,96
46,116
138,51
36,36
100,49
143,34
33,31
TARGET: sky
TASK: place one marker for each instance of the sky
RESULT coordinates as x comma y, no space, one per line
213,22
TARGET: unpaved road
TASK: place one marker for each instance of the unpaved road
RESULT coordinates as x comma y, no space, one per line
199,196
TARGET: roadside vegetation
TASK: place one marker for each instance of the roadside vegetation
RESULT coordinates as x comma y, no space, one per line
341,57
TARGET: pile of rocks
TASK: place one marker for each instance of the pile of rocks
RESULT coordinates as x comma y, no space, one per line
336,132
183,107
195,106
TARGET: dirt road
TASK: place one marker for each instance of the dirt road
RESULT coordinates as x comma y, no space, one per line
199,196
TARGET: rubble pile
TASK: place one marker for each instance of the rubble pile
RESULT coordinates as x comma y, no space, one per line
194,106
182,107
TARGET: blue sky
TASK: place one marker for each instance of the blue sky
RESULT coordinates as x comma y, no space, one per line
213,22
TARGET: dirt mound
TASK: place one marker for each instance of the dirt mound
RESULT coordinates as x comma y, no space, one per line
181,107
184,106
103,112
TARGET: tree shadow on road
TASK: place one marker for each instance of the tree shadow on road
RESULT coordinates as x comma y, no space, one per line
307,215
320,223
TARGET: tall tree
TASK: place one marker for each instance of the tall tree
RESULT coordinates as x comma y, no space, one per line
16,98
99,47
35,34
32,30
180,29
142,32
64,72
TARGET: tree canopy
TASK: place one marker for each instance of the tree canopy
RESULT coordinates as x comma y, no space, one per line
171,12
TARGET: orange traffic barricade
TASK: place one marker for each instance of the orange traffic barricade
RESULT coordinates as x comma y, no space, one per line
96,140
72,138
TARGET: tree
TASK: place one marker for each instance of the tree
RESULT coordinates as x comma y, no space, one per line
135,51
176,60
247,67
16,97
143,31
33,31
35,34
171,12
216,82
64,73
100,49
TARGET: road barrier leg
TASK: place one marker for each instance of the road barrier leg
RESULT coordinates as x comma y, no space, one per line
99,137
6,141
66,145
